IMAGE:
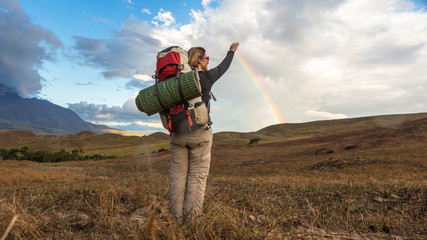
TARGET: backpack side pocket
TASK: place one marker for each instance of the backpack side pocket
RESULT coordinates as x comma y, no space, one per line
164,120
201,113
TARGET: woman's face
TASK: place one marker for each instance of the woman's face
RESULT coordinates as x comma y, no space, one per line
203,63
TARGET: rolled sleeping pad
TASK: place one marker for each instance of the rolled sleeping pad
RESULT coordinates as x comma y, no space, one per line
168,93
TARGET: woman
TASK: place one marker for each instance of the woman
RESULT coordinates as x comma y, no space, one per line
191,152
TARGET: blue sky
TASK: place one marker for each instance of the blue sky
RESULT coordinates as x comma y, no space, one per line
99,19
315,60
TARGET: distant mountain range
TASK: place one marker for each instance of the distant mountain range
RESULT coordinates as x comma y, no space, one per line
40,116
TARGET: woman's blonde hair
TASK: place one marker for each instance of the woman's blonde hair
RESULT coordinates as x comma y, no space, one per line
194,54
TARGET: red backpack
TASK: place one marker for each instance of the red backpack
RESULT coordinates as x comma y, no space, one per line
188,115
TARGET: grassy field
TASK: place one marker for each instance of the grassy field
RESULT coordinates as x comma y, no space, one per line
367,183
91,143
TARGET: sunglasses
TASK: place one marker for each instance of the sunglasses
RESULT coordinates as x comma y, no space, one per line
205,57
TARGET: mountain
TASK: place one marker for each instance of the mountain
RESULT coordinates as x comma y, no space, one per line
40,116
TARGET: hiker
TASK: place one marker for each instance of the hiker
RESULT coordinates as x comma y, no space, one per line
191,152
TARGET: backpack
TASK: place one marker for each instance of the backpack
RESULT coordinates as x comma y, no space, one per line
186,116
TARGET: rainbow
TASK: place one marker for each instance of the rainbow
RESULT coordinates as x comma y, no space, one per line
250,72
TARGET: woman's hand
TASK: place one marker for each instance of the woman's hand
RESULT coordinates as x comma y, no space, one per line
234,46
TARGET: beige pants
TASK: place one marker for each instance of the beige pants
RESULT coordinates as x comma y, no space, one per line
189,169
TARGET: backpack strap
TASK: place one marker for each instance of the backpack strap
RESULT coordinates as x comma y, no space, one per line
212,96
169,123
178,77
156,93
190,122
178,73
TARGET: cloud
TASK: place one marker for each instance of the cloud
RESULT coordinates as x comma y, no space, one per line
24,48
93,112
143,77
205,3
129,2
100,19
140,81
126,117
164,17
135,125
315,114
85,84
145,10
351,58
130,52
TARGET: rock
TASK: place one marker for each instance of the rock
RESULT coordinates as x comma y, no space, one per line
394,196
379,199
351,147
324,151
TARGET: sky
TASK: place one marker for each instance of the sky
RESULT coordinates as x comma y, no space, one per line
298,61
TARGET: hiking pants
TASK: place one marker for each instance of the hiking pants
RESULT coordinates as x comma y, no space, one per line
189,169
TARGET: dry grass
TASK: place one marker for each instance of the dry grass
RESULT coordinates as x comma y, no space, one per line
377,190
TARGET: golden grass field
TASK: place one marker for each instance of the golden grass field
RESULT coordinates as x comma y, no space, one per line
355,179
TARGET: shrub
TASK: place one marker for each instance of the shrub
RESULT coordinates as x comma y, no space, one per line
254,140
160,150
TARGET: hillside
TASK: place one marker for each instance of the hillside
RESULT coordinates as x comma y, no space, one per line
109,143
291,131
40,116
90,142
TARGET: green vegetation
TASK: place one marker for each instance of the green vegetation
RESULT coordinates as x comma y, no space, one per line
160,150
46,156
254,140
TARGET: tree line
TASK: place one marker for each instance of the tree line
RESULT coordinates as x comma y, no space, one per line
45,156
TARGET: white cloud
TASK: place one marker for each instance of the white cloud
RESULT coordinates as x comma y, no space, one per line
146,127
100,19
129,2
127,117
124,124
205,3
164,17
315,114
104,116
145,10
143,77
93,112
149,124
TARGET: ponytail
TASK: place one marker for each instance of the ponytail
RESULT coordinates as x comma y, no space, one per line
194,54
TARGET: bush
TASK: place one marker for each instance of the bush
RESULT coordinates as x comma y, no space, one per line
254,140
160,150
